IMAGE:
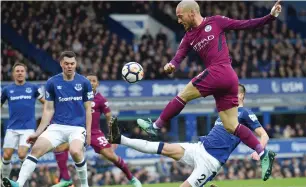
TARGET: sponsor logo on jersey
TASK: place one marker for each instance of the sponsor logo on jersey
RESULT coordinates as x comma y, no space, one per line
59,87
63,99
12,98
28,90
11,91
208,28
218,122
47,94
93,104
253,117
90,95
201,44
78,87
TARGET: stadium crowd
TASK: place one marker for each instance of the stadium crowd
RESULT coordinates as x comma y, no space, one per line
274,51
104,173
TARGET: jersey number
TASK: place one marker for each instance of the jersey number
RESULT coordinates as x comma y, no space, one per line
203,177
84,134
102,141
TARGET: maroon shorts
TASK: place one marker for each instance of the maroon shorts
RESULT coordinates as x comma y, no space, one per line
221,81
98,141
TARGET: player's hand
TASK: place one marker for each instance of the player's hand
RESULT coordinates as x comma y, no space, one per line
32,138
255,156
88,139
276,9
169,68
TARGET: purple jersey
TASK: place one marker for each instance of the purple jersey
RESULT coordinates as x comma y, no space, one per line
208,39
98,106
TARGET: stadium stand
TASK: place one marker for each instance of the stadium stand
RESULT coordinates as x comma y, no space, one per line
254,54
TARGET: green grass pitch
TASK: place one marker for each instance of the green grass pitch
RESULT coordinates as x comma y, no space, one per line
289,182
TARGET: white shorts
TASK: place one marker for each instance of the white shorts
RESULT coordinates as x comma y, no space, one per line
58,134
15,138
205,166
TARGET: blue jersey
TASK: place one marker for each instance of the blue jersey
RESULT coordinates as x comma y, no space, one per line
21,104
69,98
219,143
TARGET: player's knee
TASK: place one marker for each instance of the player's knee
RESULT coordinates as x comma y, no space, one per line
174,151
22,154
37,151
7,155
76,154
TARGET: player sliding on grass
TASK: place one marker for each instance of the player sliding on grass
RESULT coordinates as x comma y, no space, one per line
209,154
206,36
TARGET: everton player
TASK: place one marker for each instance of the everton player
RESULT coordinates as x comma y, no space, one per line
21,97
98,140
68,107
209,154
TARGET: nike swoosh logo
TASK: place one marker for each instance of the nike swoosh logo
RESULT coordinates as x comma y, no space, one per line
192,42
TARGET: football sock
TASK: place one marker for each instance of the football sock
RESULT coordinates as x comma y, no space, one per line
62,158
6,168
174,107
27,169
123,166
143,145
248,138
81,169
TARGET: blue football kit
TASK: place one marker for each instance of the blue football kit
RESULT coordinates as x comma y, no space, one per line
21,102
69,98
219,143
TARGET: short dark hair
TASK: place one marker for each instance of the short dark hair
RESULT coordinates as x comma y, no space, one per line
19,64
242,89
69,54
92,74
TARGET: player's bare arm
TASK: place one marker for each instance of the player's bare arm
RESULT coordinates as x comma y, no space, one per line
264,138
226,23
87,105
45,120
108,117
42,100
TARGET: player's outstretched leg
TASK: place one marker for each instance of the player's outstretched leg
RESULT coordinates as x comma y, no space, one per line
174,151
231,124
61,155
174,107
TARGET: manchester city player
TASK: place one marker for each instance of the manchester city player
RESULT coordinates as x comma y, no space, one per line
209,154
21,97
68,107
206,36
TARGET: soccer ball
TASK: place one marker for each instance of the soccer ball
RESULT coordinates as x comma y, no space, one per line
132,72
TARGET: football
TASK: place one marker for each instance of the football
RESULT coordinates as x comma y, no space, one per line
132,72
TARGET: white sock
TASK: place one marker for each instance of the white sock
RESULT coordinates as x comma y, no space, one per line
155,126
142,145
21,162
27,169
81,169
6,168
260,154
